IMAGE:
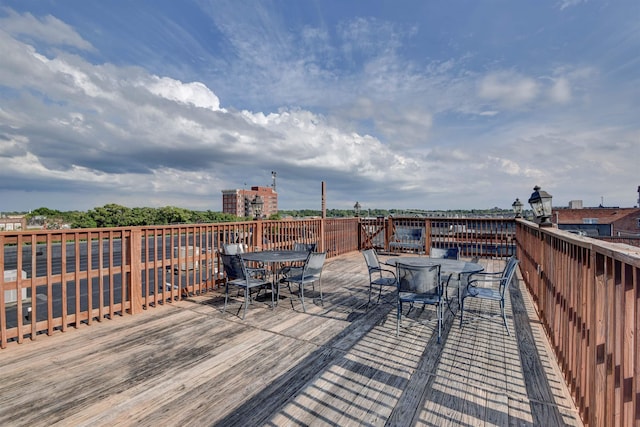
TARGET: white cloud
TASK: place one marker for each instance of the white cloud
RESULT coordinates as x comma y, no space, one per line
508,88
351,104
560,90
194,93
564,4
48,29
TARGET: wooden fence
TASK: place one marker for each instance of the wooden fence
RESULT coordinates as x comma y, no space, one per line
476,237
586,292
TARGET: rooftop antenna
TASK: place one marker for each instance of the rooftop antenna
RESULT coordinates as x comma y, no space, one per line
273,177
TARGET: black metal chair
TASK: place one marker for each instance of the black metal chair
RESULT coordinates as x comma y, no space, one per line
240,248
311,272
490,286
293,270
236,273
378,276
448,253
420,284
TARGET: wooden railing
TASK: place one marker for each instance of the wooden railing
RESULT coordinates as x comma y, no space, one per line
586,292
55,280
476,237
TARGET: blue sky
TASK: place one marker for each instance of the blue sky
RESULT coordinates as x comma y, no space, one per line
404,104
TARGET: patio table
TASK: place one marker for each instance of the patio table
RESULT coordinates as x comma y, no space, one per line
447,266
275,257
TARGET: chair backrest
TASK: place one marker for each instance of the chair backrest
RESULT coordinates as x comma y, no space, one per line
233,248
371,258
313,265
306,247
508,273
233,267
408,234
449,253
419,279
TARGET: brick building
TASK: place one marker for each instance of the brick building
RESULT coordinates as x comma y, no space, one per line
15,223
238,202
599,221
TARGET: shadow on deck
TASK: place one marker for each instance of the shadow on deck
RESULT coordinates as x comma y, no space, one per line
339,364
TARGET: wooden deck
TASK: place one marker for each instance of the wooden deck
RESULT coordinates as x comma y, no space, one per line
339,364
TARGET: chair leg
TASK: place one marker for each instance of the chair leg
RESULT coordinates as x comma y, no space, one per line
439,314
398,318
504,317
273,304
226,297
320,288
246,302
301,289
461,310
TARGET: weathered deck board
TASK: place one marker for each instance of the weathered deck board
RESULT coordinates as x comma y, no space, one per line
187,363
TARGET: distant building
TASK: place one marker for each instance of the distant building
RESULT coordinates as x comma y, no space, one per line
600,221
238,202
15,223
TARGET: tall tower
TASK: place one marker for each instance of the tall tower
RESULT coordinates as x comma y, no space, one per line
273,178
639,196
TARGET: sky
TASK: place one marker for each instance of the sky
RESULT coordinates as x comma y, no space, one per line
404,104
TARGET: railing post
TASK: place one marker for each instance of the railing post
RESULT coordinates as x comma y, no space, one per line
257,235
427,236
321,243
135,271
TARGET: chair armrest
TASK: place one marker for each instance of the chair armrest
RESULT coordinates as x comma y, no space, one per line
486,280
385,270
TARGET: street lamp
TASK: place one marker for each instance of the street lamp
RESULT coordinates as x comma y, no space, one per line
256,206
517,208
540,202
356,208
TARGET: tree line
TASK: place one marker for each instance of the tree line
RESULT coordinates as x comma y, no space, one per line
114,215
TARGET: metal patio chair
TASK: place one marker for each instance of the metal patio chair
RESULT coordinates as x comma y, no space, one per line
419,284
378,276
448,253
293,270
490,286
311,273
236,274
240,248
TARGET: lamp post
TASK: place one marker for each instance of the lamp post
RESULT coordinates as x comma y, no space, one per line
356,209
540,202
256,206
517,208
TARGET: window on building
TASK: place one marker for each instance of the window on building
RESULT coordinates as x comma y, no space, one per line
590,220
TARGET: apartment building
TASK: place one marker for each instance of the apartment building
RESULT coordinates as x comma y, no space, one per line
13,223
239,202
599,221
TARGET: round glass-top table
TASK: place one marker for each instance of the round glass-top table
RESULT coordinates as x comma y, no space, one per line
450,266
275,256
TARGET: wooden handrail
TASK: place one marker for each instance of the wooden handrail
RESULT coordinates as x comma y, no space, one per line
586,292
